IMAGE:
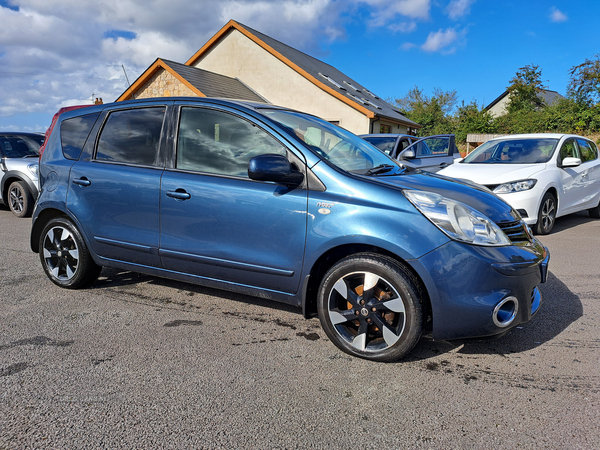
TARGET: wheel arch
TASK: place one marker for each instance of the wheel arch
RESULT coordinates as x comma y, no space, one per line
335,254
10,178
40,222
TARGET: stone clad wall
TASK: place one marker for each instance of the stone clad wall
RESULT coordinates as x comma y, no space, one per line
164,84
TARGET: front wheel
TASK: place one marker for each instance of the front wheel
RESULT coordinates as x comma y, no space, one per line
370,307
546,214
65,256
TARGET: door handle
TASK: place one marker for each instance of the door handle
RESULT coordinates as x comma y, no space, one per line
83,181
179,194
444,164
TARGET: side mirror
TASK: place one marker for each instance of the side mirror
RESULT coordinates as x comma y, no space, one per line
407,154
570,162
275,168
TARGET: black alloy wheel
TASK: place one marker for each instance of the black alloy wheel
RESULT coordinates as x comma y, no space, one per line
370,306
65,256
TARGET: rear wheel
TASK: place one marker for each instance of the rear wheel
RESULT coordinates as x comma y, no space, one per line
20,199
370,307
546,214
65,256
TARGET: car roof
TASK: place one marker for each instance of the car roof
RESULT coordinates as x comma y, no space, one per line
19,133
386,135
536,136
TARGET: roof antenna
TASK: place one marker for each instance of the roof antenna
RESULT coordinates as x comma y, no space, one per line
129,84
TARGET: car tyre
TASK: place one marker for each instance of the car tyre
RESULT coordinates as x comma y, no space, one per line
20,199
65,256
546,214
594,212
381,323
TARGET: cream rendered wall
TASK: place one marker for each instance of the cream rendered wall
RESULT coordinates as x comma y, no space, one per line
499,109
237,56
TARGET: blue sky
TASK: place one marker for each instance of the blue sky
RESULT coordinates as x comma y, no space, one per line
55,53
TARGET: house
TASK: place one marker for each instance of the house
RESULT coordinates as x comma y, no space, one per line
499,107
241,63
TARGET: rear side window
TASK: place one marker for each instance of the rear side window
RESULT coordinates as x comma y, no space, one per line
74,132
132,136
588,150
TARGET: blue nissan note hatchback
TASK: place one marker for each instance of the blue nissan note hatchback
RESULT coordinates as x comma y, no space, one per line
280,204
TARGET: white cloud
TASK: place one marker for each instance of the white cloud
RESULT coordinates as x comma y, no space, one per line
407,46
384,11
57,51
403,27
459,8
443,41
557,15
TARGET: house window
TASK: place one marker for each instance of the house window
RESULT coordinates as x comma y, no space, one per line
385,128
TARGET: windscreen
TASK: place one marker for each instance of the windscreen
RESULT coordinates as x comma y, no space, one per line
334,144
513,151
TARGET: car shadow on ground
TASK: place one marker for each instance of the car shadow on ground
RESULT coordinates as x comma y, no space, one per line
560,308
570,221
119,279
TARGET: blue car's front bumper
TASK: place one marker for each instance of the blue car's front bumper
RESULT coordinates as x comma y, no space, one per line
475,290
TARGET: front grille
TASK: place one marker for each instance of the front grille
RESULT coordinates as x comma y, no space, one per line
516,231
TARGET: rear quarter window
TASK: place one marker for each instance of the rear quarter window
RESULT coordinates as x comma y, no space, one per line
74,132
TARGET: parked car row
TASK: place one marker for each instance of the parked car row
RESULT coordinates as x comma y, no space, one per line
283,205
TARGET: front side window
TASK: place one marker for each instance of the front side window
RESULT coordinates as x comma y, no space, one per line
588,150
132,136
568,150
432,147
220,143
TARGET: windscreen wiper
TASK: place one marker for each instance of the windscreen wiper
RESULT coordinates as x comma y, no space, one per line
382,168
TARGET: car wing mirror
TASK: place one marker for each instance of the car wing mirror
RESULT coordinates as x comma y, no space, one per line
409,153
570,162
274,168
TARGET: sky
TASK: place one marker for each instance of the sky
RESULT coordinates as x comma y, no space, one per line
56,53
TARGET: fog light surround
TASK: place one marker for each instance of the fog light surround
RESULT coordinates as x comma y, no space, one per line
505,312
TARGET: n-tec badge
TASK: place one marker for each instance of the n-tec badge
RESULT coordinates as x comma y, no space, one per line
324,205
324,211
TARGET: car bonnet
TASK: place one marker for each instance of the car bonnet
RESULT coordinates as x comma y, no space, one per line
478,197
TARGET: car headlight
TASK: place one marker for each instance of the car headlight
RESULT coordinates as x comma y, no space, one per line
33,168
457,220
515,186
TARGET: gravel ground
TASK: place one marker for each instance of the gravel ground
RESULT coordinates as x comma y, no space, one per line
142,362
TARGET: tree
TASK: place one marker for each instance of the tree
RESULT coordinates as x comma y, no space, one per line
471,118
432,113
525,88
584,84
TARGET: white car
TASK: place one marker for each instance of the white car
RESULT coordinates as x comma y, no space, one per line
542,176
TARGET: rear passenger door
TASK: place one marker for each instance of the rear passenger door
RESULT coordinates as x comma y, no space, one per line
114,192
215,221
